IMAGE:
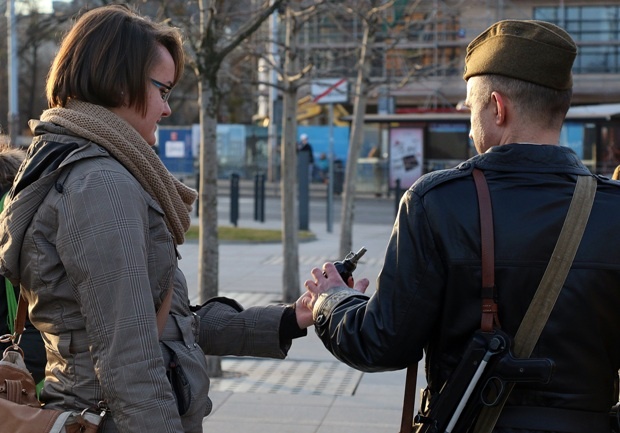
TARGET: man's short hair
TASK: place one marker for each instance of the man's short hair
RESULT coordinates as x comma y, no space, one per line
106,57
538,104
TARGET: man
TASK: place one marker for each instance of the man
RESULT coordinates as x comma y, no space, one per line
428,299
304,147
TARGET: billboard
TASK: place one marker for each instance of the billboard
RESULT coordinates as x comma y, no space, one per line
406,155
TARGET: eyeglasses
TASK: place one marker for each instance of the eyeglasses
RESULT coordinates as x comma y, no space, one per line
164,90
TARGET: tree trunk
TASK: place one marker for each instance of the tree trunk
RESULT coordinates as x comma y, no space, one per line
209,57
290,239
208,265
355,142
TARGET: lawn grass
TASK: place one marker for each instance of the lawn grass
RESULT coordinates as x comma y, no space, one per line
245,234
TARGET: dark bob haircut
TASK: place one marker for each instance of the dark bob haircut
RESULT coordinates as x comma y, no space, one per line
106,57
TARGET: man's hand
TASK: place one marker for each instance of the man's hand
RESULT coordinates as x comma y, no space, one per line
329,278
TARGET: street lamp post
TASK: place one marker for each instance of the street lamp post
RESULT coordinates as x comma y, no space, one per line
13,113
274,119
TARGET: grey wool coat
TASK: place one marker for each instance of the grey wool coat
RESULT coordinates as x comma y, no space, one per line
92,253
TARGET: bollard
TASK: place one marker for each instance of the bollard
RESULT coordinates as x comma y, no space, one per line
397,195
259,197
261,189
303,185
234,199
256,197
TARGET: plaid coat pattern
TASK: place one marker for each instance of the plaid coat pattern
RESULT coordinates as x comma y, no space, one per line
92,254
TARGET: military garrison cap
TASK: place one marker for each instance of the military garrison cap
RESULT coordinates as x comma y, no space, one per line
535,51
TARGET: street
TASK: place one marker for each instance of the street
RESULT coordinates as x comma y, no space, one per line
367,210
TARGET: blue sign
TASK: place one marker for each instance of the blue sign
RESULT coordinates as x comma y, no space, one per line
175,149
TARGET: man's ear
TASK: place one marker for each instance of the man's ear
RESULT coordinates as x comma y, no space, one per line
499,107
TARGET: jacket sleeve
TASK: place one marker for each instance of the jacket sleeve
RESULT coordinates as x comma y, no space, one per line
390,330
103,238
228,329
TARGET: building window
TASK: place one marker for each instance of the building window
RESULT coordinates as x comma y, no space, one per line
596,28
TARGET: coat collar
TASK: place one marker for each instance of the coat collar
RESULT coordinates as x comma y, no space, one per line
539,158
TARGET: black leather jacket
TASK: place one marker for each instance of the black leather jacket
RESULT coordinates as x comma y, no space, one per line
428,294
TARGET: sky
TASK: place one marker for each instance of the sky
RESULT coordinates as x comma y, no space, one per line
45,6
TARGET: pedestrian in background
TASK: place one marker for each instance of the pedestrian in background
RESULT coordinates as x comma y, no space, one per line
428,296
322,168
90,232
305,148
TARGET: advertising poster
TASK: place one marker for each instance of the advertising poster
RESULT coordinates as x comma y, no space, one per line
406,156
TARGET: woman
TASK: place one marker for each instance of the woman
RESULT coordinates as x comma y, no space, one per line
91,229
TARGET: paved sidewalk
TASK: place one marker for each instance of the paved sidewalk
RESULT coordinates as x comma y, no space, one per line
310,391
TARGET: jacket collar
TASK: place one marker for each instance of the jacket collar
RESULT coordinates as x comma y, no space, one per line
538,158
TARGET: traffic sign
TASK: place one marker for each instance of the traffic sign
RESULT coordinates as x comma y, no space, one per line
330,91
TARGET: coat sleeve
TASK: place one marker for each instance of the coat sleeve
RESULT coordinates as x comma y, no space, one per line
390,330
103,230
228,329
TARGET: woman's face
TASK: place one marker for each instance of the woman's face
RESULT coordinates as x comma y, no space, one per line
159,83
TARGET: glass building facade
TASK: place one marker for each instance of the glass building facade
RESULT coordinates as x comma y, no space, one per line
597,28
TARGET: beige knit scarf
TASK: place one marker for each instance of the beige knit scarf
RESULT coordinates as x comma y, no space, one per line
103,127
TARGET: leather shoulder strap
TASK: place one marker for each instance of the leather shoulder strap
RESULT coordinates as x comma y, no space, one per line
406,421
490,318
20,318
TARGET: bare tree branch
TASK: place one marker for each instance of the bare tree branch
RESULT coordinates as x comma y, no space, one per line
249,28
